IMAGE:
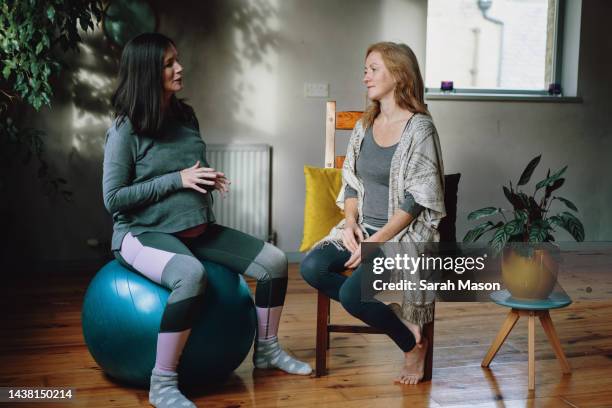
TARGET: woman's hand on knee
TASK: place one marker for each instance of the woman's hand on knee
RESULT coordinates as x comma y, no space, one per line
352,236
355,259
194,176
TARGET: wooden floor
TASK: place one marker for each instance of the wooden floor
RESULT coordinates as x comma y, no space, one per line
41,345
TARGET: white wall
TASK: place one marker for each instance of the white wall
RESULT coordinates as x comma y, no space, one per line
321,41
245,66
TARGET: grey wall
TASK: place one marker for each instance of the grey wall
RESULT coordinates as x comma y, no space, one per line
255,92
245,66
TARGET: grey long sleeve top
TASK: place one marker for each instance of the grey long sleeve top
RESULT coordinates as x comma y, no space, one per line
141,180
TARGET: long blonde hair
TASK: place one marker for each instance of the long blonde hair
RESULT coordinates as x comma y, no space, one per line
404,68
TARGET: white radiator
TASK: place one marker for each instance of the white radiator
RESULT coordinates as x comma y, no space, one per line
247,206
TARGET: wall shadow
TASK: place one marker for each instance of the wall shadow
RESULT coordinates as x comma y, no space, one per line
224,41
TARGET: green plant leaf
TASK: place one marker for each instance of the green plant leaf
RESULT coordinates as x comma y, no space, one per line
529,171
475,233
538,231
554,186
513,227
51,13
521,219
34,67
570,223
499,240
574,226
567,202
483,212
550,180
522,215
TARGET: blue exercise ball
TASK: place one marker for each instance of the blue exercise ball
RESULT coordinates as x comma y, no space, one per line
121,317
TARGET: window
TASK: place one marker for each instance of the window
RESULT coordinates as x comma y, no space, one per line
495,46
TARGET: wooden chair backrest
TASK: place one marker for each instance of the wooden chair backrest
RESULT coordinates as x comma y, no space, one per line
344,120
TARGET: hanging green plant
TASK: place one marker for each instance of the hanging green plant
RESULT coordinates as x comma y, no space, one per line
30,33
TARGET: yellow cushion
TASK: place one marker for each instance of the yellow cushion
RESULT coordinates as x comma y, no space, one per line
321,213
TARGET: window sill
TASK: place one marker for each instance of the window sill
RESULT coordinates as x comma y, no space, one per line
439,96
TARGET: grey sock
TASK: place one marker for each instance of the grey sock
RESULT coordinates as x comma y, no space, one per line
164,392
269,354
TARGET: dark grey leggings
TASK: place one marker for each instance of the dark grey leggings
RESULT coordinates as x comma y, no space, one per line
175,263
321,269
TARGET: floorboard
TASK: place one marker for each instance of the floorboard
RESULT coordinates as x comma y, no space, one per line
41,344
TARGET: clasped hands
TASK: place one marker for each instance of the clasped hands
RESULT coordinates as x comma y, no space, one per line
194,176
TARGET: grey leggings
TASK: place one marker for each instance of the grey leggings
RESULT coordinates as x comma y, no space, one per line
175,263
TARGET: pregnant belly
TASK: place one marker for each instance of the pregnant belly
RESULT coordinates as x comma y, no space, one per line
192,232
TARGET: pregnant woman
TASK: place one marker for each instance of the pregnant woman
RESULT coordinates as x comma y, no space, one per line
158,187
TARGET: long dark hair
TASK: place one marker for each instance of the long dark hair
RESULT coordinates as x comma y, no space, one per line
139,91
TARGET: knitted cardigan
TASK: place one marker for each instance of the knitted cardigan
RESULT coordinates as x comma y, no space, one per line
416,167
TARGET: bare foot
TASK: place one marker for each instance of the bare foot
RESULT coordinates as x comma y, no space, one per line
414,328
414,365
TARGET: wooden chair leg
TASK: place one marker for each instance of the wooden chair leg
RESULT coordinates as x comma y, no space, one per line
550,331
322,334
531,350
505,329
428,333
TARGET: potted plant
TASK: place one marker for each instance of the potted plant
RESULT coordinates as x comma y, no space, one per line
524,237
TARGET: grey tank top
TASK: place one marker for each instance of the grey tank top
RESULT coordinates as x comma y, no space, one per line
373,166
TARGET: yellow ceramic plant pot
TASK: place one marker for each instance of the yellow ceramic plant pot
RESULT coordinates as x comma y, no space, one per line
530,278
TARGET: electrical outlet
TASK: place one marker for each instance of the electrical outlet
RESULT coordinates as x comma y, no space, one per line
316,90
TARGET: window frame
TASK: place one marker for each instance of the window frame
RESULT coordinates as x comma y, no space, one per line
515,93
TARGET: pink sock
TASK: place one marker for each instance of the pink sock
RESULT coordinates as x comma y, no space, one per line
268,319
169,349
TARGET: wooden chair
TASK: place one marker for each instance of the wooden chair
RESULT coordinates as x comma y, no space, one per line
346,121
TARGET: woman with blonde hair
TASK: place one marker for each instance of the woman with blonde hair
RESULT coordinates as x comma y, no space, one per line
392,191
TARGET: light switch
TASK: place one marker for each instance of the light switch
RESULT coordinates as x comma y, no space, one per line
316,90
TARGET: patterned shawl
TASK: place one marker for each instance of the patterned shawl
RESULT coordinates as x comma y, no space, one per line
416,167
